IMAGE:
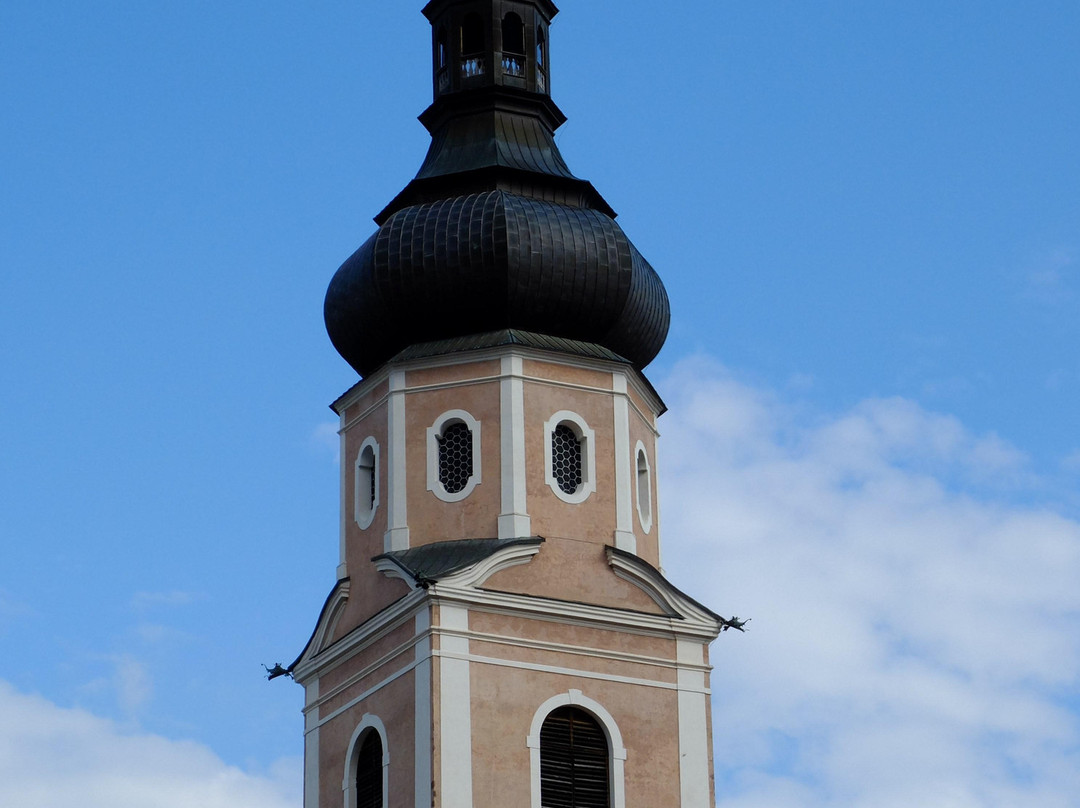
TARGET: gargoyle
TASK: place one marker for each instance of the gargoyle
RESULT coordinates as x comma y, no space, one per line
276,671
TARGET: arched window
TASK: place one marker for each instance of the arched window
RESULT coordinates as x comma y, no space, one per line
541,60
453,455
442,60
570,456
369,772
513,45
367,765
366,483
577,758
472,46
574,767
442,49
644,488
513,33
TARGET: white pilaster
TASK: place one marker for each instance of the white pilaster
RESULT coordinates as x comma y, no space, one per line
625,539
397,533
311,745
455,711
343,514
693,730
422,727
656,500
514,521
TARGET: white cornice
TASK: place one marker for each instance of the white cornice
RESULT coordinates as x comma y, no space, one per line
582,614
316,662
634,376
656,586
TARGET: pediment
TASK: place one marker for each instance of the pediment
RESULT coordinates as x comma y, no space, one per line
673,601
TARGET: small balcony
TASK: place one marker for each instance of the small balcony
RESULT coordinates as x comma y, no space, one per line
473,65
513,64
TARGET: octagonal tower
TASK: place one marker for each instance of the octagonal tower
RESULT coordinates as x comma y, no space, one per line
500,632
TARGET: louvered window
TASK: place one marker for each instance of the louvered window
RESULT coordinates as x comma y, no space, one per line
369,776
573,761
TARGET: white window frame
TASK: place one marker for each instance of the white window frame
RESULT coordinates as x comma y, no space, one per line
348,785
616,750
365,516
588,456
434,431
644,509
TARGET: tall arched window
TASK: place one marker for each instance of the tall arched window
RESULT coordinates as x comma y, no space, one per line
472,46
442,49
442,60
576,755
366,483
541,60
369,772
644,488
574,761
367,765
513,45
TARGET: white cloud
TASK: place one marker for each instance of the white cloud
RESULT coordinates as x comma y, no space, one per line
134,687
51,756
913,639
326,438
1049,278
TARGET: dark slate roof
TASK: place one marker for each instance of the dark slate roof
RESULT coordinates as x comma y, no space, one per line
495,232
490,136
428,563
489,261
507,336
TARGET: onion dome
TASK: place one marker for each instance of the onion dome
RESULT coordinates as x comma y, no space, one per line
494,232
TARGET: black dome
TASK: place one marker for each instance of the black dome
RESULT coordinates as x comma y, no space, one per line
494,232
493,260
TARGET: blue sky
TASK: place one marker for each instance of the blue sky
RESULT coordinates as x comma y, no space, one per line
867,216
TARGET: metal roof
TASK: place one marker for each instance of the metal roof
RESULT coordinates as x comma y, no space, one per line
507,336
428,563
484,261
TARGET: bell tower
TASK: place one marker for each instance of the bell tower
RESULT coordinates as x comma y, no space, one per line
500,632
480,43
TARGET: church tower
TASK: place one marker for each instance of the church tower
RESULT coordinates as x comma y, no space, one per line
500,633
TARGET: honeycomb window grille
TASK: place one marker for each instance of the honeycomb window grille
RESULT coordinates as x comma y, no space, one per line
570,457
566,459
455,457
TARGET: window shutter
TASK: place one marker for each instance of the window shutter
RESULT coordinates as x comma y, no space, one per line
573,761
